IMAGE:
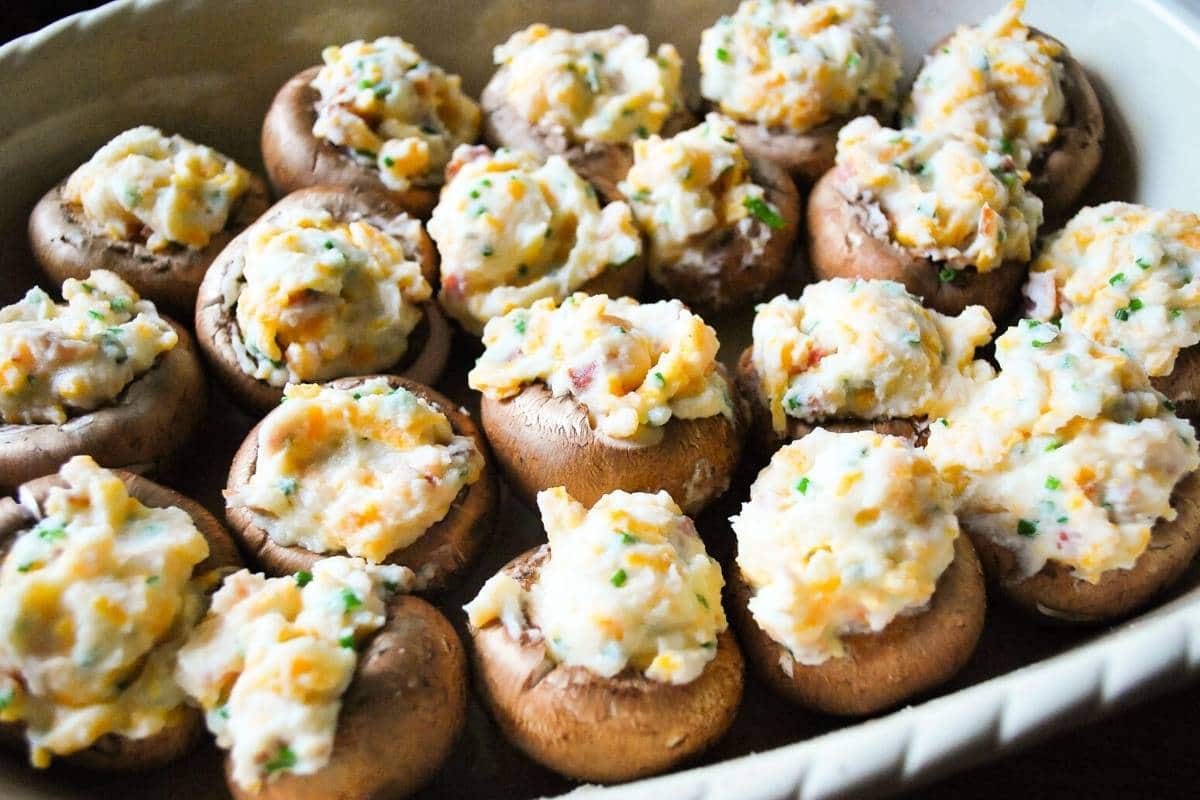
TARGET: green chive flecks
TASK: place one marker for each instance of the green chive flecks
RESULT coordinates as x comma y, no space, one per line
763,212
350,600
1027,528
284,759
802,485
618,578
947,274
1052,482
303,578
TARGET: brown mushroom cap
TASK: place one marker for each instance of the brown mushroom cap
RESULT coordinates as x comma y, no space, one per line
442,553
1053,594
723,268
912,654
1182,384
428,344
541,441
112,751
593,728
148,422
400,716
68,245
295,158
840,246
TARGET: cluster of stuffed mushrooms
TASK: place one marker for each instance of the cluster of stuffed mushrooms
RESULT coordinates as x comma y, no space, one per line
572,254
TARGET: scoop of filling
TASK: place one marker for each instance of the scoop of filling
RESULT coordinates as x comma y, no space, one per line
692,183
364,471
1125,276
633,365
1066,455
319,298
271,661
95,601
393,110
843,533
600,86
57,360
947,198
995,81
511,231
798,65
865,350
627,585
163,189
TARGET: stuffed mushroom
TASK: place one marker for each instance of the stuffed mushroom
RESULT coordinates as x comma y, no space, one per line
376,467
721,223
605,653
376,117
584,96
853,354
104,575
1022,91
792,74
328,283
854,589
101,374
154,209
1077,481
511,229
598,394
328,683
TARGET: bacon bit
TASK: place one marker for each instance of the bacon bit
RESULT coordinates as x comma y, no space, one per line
814,357
452,285
583,378
466,156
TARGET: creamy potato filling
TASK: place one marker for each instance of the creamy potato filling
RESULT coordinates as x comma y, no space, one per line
697,181
511,230
95,601
271,660
628,585
57,360
393,110
865,350
165,189
633,366
1125,276
799,65
603,86
843,533
948,198
319,298
995,81
1067,455
364,471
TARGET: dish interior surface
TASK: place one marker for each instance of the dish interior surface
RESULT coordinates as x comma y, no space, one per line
208,70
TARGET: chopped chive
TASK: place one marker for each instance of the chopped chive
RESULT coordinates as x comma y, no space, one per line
1141,262
1054,445
659,379
350,600
1176,313
1027,528
702,599
853,60
723,55
802,485
287,486
303,578
347,641
947,274
51,532
763,212
1053,482
119,304
284,759
151,580
628,538
388,161
1006,145
520,326
618,578
1115,279
95,315
487,251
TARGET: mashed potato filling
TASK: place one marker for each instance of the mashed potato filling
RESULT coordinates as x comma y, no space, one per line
799,65
1067,455
166,188
602,86
393,110
271,660
995,81
843,533
364,471
628,584
697,181
865,350
511,230
1126,276
948,198
323,298
95,601
57,360
633,365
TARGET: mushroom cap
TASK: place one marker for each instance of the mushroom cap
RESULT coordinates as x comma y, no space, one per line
295,158
400,716
1054,595
428,344
443,551
1182,384
593,728
912,654
113,752
140,431
67,245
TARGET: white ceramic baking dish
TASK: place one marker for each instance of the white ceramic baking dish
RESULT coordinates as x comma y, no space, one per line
208,69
